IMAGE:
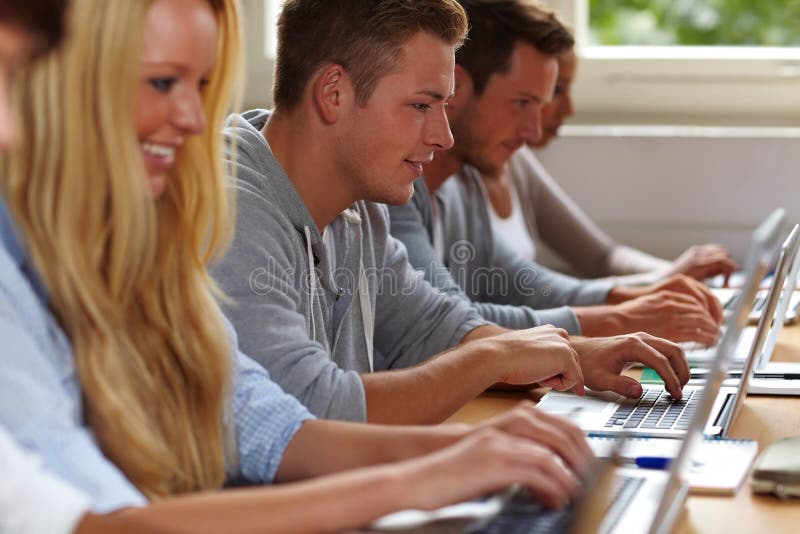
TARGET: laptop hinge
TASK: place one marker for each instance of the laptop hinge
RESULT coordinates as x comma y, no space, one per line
725,413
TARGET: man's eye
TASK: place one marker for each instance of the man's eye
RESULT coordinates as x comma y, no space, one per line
422,107
522,103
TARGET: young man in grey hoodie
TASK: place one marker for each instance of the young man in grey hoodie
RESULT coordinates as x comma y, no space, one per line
505,74
322,295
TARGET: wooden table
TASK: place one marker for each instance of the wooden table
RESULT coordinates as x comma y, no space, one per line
765,419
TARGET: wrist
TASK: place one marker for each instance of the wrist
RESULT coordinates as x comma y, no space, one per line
438,437
599,321
620,294
482,332
484,357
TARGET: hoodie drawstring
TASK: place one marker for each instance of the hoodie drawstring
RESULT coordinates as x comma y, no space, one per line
366,314
363,293
312,279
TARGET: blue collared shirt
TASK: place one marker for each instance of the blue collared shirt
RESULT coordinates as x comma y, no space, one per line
40,397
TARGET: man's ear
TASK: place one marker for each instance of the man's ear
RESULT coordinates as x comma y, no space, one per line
463,88
332,92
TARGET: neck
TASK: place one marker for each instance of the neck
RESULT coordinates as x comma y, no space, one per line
444,165
313,173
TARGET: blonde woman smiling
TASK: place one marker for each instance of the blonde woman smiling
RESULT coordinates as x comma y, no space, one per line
118,368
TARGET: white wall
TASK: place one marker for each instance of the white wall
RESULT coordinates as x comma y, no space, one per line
662,189
258,16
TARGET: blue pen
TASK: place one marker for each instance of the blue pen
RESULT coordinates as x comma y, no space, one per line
652,462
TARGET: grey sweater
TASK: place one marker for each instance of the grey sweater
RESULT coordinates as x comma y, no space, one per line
501,285
313,329
554,219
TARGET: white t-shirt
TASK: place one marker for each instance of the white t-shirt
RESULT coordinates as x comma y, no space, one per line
513,230
33,501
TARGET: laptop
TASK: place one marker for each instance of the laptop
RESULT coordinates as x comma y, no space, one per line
627,499
729,296
615,500
765,377
778,378
782,281
656,413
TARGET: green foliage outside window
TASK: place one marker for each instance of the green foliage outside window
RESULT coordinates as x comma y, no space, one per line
695,22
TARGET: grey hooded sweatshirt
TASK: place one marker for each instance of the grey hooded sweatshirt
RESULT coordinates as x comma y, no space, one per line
501,285
314,329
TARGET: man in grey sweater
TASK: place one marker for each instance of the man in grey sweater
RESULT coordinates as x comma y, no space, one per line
322,295
447,227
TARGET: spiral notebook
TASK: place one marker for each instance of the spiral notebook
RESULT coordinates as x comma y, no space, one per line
718,466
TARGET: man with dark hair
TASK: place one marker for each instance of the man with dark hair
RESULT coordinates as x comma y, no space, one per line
504,75
323,296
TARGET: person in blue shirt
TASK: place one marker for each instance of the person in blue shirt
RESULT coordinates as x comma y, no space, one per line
118,368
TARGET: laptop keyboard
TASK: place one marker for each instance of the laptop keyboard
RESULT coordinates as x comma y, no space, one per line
656,409
523,515
758,303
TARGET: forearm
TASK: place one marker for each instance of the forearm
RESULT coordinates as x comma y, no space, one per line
332,503
434,389
354,445
624,260
521,317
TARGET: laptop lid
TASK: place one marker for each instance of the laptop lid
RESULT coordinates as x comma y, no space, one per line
764,242
787,254
790,256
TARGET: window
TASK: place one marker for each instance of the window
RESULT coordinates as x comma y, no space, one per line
695,22
259,18
272,9
696,62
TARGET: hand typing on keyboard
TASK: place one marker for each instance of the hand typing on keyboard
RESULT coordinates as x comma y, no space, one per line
603,359
656,409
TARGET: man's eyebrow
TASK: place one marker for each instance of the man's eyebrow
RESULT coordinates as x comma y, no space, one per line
530,96
436,95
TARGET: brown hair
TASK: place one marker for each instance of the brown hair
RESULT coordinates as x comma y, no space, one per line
495,28
362,36
43,18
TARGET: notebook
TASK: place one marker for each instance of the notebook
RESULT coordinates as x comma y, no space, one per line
718,466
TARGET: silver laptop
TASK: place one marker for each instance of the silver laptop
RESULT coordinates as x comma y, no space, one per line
782,283
779,378
656,413
626,499
729,296
615,500
699,356
762,376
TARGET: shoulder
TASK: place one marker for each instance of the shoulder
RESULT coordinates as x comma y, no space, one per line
527,172
462,188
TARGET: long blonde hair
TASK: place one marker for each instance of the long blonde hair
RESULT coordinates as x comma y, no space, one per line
125,273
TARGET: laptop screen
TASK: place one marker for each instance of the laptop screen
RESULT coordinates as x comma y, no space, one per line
791,247
764,243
